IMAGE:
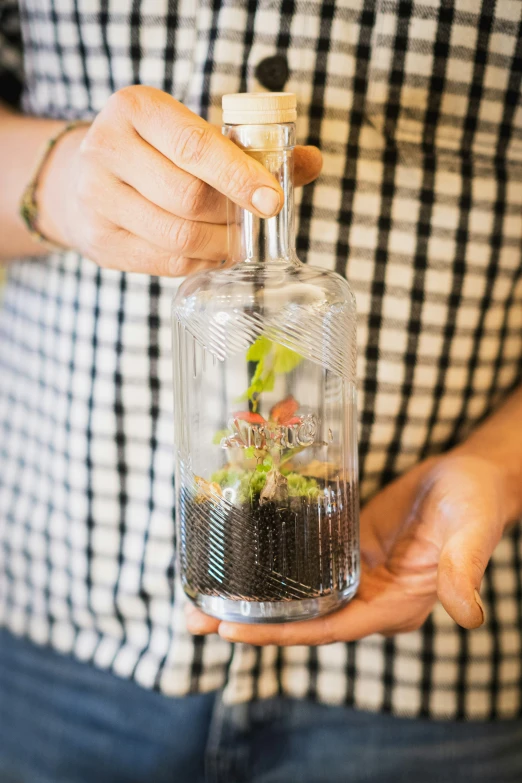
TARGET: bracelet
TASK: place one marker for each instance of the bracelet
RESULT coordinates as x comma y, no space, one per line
29,201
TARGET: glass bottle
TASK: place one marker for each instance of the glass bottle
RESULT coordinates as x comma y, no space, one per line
265,409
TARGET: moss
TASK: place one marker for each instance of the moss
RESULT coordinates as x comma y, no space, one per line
302,487
249,484
227,477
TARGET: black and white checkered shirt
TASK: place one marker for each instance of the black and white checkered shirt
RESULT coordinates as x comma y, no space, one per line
416,105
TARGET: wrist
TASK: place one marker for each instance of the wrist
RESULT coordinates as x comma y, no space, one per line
55,190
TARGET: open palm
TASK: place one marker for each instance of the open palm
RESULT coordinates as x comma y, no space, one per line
427,536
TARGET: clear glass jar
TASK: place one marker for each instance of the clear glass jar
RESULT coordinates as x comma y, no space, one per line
265,419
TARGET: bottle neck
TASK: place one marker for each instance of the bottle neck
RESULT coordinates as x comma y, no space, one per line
250,238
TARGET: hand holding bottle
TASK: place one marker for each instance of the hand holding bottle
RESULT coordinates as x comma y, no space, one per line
266,471
428,536
144,188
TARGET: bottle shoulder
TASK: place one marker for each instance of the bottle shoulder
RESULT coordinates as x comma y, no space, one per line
269,285
310,311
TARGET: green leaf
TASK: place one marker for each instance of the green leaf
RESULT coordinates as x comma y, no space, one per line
259,383
256,385
259,349
258,372
269,381
285,359
266,464
249,452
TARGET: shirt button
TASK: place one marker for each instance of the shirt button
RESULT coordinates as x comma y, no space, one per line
273,72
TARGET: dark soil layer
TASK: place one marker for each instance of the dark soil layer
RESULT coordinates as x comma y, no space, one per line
270,552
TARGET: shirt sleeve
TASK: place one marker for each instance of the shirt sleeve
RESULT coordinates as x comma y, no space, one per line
11,53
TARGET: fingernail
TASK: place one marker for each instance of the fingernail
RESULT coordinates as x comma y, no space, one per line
266,200
195,631
227,632
196,627
192,617
478,599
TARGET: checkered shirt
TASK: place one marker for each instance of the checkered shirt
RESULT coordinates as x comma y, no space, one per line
416,107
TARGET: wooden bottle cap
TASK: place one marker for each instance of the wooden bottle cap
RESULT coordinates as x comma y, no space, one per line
259,108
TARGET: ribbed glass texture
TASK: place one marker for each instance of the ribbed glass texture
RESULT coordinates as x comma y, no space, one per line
265,419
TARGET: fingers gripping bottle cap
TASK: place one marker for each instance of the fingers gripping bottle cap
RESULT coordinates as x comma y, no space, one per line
259,108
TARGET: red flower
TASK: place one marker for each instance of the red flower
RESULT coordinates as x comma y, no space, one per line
284,412
251,418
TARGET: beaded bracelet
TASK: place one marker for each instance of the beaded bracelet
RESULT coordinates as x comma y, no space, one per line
29,201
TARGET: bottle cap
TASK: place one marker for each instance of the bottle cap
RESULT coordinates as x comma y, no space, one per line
259,108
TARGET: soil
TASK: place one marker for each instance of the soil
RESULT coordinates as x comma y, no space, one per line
266,552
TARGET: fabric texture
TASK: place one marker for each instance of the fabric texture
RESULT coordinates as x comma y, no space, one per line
62,721
86,725
11,60
416,107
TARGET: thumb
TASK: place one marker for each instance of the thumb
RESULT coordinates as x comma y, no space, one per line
465,511
462,563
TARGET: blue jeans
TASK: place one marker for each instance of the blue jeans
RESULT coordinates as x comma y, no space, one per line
65,722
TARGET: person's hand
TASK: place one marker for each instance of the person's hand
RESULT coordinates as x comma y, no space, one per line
429,535
144,188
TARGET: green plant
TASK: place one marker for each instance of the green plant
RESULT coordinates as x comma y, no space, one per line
271,360
249,484
275,437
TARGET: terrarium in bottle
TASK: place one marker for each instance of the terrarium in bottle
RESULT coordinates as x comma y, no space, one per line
265,409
